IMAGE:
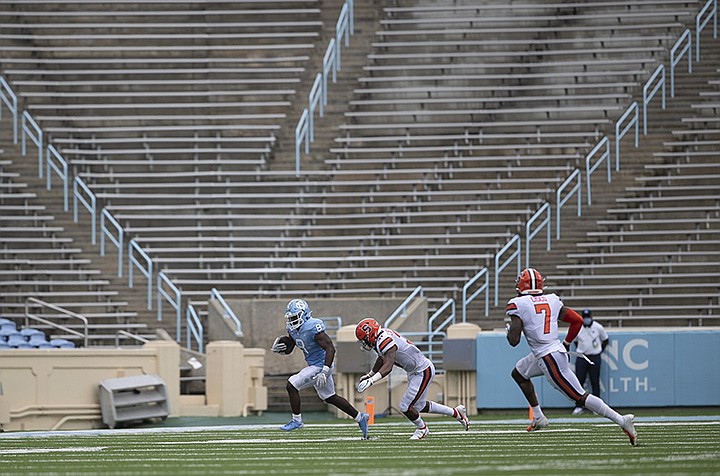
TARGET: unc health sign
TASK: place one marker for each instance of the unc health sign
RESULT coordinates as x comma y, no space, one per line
640,369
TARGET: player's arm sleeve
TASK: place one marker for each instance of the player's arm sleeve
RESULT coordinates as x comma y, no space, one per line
575,321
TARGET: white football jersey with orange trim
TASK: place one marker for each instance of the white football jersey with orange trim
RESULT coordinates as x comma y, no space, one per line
408,356
539,316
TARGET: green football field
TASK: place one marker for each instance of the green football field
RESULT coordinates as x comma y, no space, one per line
573,446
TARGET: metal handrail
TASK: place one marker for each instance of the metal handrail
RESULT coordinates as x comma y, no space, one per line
560,202
7,95
674,61
619,134
67,312
530,235
37,139
329,65
589,170
176,304
342,30
147,272
61,168
700,25
315,101
302,132
500,267
647,97
485,287
214,293
194,327
118,242
90,206
130,335
401,310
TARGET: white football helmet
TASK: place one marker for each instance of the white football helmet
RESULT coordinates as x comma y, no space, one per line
296,313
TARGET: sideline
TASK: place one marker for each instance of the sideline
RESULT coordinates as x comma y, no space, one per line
709,419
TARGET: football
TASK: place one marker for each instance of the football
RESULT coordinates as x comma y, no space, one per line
289,342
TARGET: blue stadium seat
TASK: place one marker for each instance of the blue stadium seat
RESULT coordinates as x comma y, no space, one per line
41,344
62,344
3,346
17,341
29,332
6,331
4,321
39,340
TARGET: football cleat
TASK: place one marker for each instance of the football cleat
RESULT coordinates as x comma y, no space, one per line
578,410
538,424
363,424
420,433
461,416
628,427
292,425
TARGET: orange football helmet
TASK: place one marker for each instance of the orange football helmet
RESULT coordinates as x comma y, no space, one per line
367,332
530,281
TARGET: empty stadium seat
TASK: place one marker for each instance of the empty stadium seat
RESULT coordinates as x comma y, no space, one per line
62,344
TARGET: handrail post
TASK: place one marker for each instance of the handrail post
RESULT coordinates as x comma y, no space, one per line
328,66
633,108
315,99
147,272
341,29
589,170
431,333
401,310
8,96
674,61
215,294
194,327
700,25
61,168
647,97
90,206
62,310
301,132
37,139
562,201
118,242
545,208
467,300
176,304
500,267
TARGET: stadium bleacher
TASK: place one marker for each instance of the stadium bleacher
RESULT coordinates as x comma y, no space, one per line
462,121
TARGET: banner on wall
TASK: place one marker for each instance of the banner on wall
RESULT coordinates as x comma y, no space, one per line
640,369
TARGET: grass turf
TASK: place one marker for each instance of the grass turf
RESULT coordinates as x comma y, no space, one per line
574,446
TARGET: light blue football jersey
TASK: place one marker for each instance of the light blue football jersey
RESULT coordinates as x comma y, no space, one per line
304,338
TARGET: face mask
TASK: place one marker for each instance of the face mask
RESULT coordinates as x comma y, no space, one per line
587,321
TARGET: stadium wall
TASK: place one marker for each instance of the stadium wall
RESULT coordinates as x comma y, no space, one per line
641,368
51,389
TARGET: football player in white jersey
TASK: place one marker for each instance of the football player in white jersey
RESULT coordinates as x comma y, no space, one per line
308,333
393,349
536,315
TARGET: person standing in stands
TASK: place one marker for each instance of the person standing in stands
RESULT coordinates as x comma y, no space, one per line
590,341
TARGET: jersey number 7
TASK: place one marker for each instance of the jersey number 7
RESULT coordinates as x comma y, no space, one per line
544,308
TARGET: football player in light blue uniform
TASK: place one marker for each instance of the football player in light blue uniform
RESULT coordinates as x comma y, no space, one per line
310,336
